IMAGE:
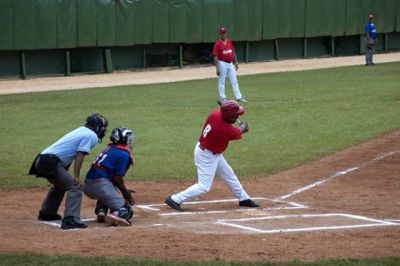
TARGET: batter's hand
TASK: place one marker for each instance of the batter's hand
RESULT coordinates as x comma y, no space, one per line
218,72
236,66
244,127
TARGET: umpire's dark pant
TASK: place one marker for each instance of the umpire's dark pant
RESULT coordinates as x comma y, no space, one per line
63,183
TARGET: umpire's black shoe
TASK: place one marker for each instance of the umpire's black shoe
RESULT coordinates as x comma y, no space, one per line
48,217
71,222
248,203
173,204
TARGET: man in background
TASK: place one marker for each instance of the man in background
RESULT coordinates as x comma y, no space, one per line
370,40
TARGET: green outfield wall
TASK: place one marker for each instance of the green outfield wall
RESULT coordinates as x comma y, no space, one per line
72,36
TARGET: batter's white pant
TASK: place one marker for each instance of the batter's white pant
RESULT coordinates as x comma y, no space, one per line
208,165
227,70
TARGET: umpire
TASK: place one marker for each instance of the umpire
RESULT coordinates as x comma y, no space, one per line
53,164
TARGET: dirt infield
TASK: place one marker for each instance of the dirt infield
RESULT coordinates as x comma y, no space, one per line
346,205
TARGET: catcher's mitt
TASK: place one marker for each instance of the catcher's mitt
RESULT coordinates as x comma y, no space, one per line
128,196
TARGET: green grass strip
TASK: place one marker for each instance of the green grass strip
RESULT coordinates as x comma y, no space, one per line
65,260
294,117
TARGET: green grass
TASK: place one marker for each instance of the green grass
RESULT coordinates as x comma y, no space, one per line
294,117
32,259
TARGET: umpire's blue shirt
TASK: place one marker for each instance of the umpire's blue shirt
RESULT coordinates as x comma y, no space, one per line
81,139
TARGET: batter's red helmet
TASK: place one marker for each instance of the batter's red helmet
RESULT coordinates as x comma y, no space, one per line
231,110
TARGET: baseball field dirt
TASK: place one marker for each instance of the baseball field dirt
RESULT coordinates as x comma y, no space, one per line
346,205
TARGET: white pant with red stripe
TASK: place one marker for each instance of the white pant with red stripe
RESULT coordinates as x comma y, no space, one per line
228,70
208,165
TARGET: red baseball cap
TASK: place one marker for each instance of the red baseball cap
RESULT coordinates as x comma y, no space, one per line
370,16
222,30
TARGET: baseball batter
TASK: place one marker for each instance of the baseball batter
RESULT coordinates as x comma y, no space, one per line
106,175
208,156
53,163
226,65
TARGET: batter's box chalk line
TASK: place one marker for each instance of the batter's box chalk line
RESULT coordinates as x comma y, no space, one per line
267,225
287,205
337,174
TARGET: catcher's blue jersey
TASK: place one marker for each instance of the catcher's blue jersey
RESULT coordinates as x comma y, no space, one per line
113,161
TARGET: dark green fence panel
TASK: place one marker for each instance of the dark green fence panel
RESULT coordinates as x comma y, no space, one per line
225,17
398,16
66,24
87,23
143,21
177,16
365,10
352,15
283,19
385,15
46,24
124,31
160,21
6,25
106,23
333,18
290,18
313,18
210,20
24,24
194,20
255,20
241,19
269,29
298,18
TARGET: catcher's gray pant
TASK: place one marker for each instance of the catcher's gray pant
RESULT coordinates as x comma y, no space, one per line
103,190
228,70
208,165
63,182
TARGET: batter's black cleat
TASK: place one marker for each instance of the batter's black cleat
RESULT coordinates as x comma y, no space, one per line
243,100
169,201
71,222
221,101
48,217
248,203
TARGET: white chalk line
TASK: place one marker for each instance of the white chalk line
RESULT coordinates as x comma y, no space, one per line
340,173
58,223
155,207
373,223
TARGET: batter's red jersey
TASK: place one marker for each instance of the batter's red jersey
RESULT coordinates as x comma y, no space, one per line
217,133
224,52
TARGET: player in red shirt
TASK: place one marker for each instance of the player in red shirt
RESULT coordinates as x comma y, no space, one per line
226,63
214,139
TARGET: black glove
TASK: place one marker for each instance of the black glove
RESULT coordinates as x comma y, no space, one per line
128,196
244,127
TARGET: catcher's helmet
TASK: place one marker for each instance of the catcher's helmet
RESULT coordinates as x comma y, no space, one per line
122,135
231,110
98,124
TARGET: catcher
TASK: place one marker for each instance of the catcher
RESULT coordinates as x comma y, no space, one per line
106,175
